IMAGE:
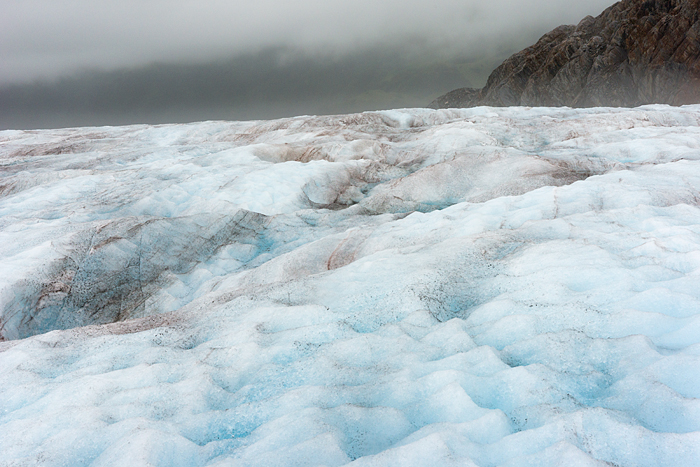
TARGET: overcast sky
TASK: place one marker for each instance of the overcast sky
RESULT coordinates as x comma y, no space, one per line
41,40
46,38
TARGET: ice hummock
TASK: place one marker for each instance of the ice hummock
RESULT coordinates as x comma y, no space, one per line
489,287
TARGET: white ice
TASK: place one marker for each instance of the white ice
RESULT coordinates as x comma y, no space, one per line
478,287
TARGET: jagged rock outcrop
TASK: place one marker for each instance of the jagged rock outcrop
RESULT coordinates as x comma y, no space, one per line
636,52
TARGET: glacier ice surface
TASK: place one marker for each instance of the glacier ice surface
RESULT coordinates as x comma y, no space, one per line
478,287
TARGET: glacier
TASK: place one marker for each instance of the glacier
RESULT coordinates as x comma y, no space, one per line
462,287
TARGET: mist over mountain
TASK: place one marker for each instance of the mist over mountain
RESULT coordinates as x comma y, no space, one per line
273,83
79,62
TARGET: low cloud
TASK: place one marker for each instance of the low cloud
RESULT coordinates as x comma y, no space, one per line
79,63
44,39
263,85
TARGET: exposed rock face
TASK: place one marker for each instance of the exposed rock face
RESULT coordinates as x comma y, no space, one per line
636,52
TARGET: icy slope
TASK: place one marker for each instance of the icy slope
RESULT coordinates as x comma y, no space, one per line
483,287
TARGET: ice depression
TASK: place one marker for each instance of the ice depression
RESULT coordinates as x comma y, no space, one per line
478,287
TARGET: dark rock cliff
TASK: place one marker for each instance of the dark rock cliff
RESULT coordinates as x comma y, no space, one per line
636,52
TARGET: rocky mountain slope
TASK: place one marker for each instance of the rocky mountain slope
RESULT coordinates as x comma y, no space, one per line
636,52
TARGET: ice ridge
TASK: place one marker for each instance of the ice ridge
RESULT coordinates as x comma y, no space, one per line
478,287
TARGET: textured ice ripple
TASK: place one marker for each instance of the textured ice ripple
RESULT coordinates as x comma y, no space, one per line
489,287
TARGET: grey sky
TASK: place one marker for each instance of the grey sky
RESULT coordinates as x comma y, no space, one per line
42,39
